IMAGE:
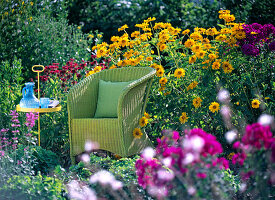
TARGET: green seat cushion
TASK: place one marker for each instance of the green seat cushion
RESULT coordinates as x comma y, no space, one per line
108,95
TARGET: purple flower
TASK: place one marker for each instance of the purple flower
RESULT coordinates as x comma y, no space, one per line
250,50
272,46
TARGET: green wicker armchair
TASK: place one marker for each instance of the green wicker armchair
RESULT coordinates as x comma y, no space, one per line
112,134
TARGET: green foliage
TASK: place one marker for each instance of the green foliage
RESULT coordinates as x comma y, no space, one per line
10,88
106,16
33,34
32,187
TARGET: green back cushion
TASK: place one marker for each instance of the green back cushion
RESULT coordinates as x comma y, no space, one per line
108,95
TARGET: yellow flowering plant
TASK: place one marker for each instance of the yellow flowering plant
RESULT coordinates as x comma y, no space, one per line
191,67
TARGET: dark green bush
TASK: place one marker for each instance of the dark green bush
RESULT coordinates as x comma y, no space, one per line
106,16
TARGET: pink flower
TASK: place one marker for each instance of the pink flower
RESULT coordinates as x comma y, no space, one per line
239,158
201,175
176,135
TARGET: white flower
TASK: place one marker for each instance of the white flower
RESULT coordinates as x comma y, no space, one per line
103,177
223,96
195,143
167,161
191,190
266,120
148,153
85,158
189,158
89,146
230,136
79,192
165,174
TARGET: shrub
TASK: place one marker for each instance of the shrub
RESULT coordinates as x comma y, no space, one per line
32,187
33,34
10,90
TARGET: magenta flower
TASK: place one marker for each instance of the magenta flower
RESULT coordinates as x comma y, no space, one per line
201,175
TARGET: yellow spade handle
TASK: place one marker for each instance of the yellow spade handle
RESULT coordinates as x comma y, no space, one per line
38,71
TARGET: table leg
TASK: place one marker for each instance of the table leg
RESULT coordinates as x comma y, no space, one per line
38,129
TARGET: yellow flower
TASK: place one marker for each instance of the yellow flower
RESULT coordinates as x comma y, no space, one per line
196,36
6,13
216,65
227,67
90,73
123,41
240,35
189,43
90,36
200,54
185,32
137,133
211,31
207,46
224,11
197,102
214,107
112,67
196,48
163,81
230,155
99,35
205,41
97,69
228,18
101,52
149,58
143,121
183,117
79,27
192,85
160,72
255,103
146,115
167,93
162,47
192,59
114,38
212,56
122,28
30,19
237,103
31,3
221,37
179,73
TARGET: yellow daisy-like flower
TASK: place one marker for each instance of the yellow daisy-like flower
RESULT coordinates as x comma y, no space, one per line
112,67
192,59
185,32
137,133
146,115
90,73
122,28
197,102
216,65
229,157
163,81
162,47
214,107
31,3
160,72
205,41
149,58
183,118
196,48
200,54
179,73
212,56
143,121
192,85
189,43
97,69
227,67
240,35
101,52
255,103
